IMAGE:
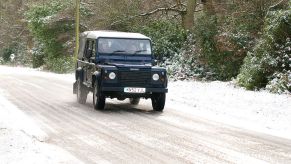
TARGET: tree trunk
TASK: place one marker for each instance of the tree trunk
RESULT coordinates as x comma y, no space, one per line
208,7
188,18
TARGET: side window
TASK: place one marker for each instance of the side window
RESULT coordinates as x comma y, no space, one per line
90,45
93,47
90,48
81,48
87,46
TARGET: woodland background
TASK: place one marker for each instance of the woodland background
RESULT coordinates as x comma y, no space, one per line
248,41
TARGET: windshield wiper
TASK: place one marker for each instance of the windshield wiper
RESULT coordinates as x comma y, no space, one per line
138,51
117,51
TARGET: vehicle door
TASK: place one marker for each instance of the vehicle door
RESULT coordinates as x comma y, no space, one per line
91,60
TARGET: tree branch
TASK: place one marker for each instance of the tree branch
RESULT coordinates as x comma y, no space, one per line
277,4
162,9
172,8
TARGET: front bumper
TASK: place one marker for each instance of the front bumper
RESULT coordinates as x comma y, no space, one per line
121,89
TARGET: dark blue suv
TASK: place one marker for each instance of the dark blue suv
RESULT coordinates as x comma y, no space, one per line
118,65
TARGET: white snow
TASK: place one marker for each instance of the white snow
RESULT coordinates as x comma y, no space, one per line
223,102
22,141
220,101
258,111
35,72
8,116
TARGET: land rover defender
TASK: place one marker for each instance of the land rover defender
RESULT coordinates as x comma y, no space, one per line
118,65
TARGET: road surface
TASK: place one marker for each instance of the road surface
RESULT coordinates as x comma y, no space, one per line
124,133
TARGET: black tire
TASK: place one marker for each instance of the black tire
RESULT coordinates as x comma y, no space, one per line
98,98
158,101
81,92
134,101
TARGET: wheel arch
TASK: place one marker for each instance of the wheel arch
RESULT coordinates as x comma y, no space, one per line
96,77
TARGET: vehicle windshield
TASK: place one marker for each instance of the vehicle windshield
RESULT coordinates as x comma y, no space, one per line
128,46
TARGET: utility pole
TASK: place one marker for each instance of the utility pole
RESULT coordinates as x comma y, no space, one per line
77,29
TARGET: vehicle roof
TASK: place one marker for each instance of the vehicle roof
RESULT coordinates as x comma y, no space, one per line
112,34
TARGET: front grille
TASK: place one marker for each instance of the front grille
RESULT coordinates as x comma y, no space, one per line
136,78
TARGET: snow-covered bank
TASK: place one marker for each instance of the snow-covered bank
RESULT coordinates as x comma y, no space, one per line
6,70
223,102
22,141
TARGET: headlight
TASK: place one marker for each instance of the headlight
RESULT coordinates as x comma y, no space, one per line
156,77
112,75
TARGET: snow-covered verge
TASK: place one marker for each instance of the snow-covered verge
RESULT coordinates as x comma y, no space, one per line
22,141
259,111
35,72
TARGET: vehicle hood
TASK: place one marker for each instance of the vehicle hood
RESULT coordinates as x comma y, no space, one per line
127,65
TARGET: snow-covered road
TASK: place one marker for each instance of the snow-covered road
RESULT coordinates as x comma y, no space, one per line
40,122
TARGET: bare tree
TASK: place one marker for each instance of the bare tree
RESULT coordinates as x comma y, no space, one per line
184,9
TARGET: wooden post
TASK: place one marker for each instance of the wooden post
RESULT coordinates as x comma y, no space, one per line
77,29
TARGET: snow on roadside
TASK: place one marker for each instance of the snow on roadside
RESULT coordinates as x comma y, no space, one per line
223,102
22,141
35,72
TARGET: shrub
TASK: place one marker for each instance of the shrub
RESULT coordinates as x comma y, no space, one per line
60,65
271,56
19,51
218,59
38,56
280,83
224,38
6,52
185,64
46,28
14,48
167,37
51,29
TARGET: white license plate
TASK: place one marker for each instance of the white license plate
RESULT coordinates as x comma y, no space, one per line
134,90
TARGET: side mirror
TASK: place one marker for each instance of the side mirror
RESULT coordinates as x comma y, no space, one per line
154,62
168,63
89,53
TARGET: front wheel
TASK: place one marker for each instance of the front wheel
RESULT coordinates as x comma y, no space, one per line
158,101
81,92
98,97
